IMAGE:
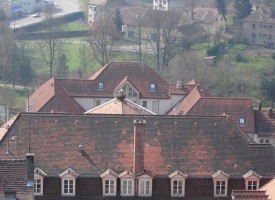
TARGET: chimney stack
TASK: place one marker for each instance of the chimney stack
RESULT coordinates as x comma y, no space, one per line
260,106
30,169
139,133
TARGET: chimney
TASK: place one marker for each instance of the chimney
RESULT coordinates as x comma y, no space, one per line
139,133
179,84
260,106
270,112
30,169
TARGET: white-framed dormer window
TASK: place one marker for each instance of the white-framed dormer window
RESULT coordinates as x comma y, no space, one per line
252,180
177,180
220,180
145,185
126,183
68,182
38,182
109,182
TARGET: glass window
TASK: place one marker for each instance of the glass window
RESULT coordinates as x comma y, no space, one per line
144,104
152,87
109,187
242,122
253,25
68,187
127,187
100,86
220,188
37,186
252,185
177,187
145,188
97,102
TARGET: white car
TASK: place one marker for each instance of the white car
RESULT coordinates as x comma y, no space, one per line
36,15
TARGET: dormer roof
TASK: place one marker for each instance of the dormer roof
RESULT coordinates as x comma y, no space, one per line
109,172
69,171
177,173
251,173
40,172
220,173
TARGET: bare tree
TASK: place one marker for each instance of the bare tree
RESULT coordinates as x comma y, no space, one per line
51,45
163,36
104,39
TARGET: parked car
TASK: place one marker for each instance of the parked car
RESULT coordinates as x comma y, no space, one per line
36,15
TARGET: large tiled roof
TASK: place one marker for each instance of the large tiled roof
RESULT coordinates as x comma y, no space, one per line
261,16
146,17
13,177
264,123
116,106
200,102
108,3
111,75
197,146
205,15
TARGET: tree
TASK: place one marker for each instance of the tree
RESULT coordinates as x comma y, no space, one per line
103,39
62,67
268,89
118,20
51,45
2,14
242,8
163,36
221,5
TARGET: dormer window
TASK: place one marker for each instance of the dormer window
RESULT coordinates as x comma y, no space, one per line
127,183
109,182
68,181
242,121
220,180
152,87
38,181
177,180
145,185
100,86
252,180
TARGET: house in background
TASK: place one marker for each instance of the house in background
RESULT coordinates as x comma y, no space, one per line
196,103
265,126
209,18
11,9
259,28
141,84
17,176
80,156
31,6
97,7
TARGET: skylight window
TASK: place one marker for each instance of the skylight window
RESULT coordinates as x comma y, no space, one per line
100,86
152,87
242,122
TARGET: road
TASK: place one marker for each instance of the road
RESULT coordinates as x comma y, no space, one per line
61,7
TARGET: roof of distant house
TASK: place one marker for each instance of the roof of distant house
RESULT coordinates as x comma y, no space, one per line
265,122
261,16
205,15
269,189
195,145
108,3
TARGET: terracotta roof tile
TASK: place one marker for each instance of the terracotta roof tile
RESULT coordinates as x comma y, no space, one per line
205,15
261,16
248,195
197,146
269,189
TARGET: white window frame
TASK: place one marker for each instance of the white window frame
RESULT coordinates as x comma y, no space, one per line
109,178
68,178
41,178
127,180
220,177
146,179
100,86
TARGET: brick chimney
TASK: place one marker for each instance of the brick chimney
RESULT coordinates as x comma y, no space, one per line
139,133
270,114
30,169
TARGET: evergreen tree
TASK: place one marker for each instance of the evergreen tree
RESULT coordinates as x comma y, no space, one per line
62,67
118,20
221,5
242,9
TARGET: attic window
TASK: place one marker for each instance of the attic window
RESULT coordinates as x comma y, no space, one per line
100,86
242,121
152,87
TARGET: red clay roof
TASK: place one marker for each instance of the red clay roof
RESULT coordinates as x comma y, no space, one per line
13,176
197,146
248,195
269,189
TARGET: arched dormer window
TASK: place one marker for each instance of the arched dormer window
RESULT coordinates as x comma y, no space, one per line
68,181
